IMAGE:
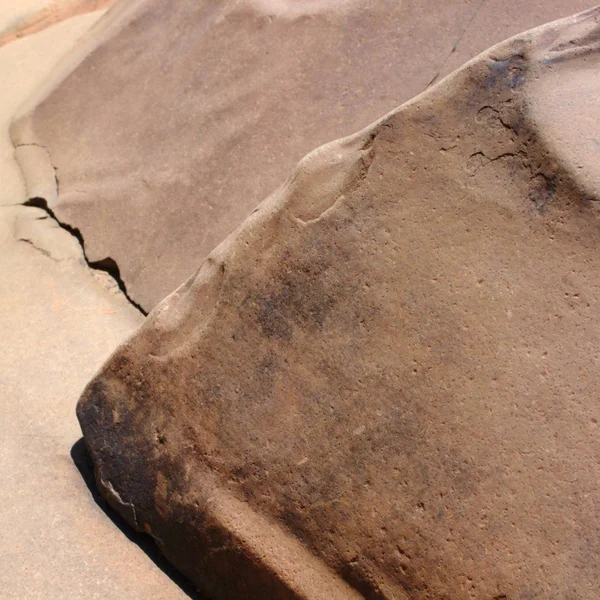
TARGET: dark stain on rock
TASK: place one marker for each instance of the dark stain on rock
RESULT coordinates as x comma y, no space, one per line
509,71
272,318
301,298
543,192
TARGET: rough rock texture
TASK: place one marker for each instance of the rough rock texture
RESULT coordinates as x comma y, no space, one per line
182,116
384,384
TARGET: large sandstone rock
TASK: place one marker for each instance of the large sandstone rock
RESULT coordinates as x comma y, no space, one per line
175,118
385,384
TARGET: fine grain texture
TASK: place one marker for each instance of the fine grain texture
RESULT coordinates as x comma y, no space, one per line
177,118
384,385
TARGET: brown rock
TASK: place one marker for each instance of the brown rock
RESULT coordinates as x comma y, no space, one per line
181,116
384,384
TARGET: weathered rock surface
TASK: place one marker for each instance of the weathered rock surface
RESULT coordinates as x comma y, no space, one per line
176,118
385,383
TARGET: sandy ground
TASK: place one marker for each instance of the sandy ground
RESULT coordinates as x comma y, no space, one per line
31,16
59,321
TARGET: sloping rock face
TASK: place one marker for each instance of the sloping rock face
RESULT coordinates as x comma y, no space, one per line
384,385
177,118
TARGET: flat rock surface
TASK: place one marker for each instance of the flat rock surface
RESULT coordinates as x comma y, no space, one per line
59,321
190,113
384,385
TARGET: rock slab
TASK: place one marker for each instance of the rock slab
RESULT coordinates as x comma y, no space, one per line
384,384
190,113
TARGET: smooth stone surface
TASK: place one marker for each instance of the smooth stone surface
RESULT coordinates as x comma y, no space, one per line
190,113
384,385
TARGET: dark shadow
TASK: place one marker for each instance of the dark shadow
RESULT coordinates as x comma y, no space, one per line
84,464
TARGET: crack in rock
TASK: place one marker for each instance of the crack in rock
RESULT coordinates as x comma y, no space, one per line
107,265
456,43
47,152
42,250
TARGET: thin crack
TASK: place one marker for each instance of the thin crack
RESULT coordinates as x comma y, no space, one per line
44,252
456,43
498,114
491,159
31,144
49,160
108,265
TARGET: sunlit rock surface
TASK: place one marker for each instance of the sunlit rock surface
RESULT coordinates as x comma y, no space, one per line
175,119
384,384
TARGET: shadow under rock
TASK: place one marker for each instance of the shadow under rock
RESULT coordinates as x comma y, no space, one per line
84,464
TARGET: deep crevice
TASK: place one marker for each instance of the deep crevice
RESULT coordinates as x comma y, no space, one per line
108,265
